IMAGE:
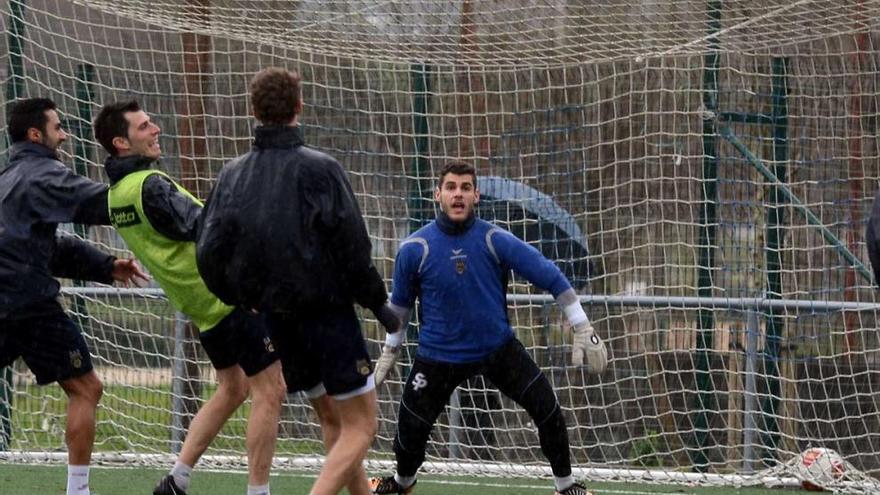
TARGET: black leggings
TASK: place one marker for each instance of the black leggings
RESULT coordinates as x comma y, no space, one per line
512,370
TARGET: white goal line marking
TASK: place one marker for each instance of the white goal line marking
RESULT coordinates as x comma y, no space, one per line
544,487
428,481
423,481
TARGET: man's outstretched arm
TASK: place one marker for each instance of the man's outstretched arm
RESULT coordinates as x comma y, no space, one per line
76,259
57,195
587,347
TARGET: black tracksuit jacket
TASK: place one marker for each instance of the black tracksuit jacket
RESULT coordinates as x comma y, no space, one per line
37,192
282,231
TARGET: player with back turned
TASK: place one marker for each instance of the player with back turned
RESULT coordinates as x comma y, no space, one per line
282,233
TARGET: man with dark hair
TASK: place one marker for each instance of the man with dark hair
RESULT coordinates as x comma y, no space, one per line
157,218
282,233
458,267
37,192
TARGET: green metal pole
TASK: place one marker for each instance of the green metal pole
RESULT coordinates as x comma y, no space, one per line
420,200
15,41
746,118
14,90
775,223
705,399
85,93
811,217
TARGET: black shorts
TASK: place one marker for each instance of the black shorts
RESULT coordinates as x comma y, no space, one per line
52,346
240,339
510,368
322,348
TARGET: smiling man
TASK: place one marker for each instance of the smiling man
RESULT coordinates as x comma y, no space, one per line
458,267
37,192
157,218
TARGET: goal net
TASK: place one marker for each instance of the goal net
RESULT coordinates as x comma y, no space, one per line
701,171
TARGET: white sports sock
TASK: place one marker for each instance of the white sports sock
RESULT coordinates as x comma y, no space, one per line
258,490
563,483
182,474
77,480
404,481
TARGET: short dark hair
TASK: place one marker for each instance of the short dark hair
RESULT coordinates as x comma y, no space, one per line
111,123
457,168
28,114
275,95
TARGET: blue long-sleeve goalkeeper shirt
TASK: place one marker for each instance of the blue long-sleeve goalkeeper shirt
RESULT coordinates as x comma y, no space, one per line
459,273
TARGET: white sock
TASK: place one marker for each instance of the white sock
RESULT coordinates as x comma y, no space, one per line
258,489
563,483
404,481
77,480
181,473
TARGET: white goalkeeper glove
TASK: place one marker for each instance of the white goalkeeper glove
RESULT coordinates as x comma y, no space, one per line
390,353
587,344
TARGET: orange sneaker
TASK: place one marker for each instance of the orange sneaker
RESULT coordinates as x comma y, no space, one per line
389,485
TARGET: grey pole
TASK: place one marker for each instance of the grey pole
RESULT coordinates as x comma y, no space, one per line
741,303
455,423
751,400
178,376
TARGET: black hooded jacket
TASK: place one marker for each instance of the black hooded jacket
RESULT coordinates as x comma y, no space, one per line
37,192
282,231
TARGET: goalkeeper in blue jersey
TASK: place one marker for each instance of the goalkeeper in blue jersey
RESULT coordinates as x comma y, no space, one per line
458,268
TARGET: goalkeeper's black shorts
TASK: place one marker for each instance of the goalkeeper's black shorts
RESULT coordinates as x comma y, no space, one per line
509,368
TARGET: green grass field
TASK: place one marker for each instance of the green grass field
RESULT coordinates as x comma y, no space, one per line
143,428
50,480
129,420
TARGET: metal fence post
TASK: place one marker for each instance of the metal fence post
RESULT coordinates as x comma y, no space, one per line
455,425
751,399
178,380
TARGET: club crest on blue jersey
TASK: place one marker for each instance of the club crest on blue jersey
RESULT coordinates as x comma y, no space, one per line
459,259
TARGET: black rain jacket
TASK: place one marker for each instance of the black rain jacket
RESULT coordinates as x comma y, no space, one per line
282,231
37,192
